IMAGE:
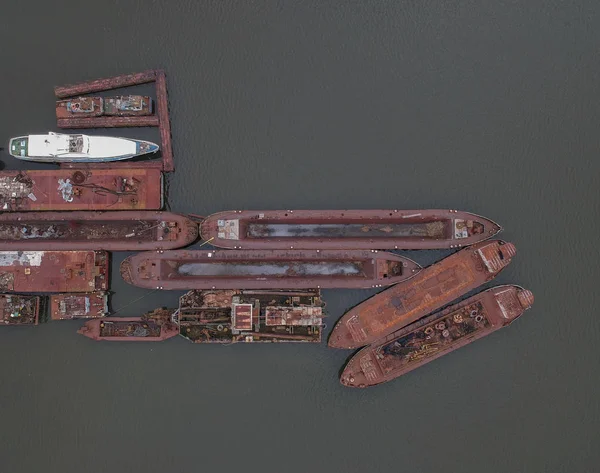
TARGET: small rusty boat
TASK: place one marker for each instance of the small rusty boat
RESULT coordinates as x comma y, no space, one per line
153,327
121,106
19,309
112,231
251,316
346,229
434,287
436,335
79,107
297,269
88,305
53,271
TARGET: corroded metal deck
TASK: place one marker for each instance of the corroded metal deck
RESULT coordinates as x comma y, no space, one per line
67,189
432,288
346,229
112,231
53,271
231,316
436,335
264,269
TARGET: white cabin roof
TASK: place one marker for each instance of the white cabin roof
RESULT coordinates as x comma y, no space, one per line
48,145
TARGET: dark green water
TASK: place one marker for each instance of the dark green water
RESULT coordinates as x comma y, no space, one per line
489,106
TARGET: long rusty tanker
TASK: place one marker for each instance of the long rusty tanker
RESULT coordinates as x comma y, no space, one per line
299,269
82,189
346,229
112,231
434,287
53,271
436,335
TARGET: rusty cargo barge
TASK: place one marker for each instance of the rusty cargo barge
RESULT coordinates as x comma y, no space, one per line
436,335
434,287
53,271
20,309
83,189
251,316
232,269
154,326
346,229
112,231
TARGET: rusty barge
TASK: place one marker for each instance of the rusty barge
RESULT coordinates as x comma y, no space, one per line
82,189
436,335
153,327
232,269
88,305
346,229
19,309
434,287
112,231
53,271
230,316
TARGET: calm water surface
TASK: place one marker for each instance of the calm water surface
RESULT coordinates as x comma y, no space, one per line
484,106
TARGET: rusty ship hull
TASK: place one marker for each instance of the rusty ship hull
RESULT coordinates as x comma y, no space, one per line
84,230
83,189
436,335
434,287
19,309
53,271
297,269
89,305
251,316
127,329
346,229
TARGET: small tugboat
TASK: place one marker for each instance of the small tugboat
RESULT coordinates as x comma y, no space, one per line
230,316
84,189
53,271
89,305
155,326
18,309
346,229
436,335
112,231
232,269
62,148
120,106
434,287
